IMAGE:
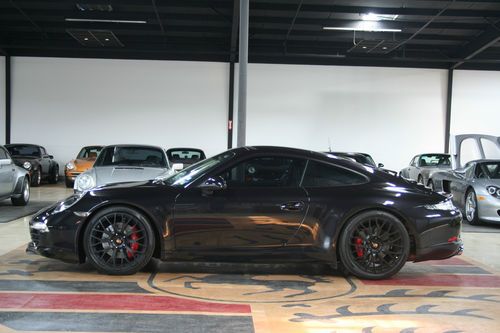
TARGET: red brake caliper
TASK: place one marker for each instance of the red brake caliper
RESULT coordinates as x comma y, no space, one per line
358,246
134,246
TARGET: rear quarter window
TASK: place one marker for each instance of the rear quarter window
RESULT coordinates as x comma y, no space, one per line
320,174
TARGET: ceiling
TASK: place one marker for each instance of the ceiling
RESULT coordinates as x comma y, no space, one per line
434,34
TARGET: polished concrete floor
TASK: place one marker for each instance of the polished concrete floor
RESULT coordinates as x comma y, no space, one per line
37,294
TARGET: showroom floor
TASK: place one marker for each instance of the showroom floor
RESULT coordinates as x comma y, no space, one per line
461,294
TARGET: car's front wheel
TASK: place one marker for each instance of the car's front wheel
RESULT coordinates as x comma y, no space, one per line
471,209
119,241
24,198
374,245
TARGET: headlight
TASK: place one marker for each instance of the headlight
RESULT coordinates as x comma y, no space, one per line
84,182
70,166
68,202
27,165
443,205
494,191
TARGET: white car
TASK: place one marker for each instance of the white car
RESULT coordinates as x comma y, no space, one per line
124,163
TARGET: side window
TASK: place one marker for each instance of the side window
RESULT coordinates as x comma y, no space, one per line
325,175
469,172
414,161
42,151
265,172
479,172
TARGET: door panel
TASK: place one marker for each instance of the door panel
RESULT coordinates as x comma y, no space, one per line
238,217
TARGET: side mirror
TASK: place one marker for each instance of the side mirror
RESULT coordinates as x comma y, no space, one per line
51,157
380,165
177,167
214,183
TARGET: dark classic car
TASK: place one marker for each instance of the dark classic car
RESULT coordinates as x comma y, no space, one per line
14,181
39,164
362,158
255,204
423,166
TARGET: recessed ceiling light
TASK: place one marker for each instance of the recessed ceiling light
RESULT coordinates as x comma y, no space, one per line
103,21
86,38
364,47
106,39
362,29
384,47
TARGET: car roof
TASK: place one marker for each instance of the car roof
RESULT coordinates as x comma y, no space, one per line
434,154
22,144
489,160
134,146
349,153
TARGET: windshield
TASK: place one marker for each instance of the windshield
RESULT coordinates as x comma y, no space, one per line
89,152
489,169
132,156
23,150
435,160
194,171
360,158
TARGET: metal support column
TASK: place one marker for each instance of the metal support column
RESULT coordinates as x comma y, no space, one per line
243,62
448,112
7,99
230,115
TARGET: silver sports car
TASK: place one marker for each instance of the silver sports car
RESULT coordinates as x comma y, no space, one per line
124,163
14,181
423,166
475,186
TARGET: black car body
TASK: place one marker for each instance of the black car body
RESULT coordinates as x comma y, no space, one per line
35,159
252,204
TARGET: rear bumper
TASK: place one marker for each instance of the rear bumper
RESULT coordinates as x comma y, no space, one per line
441,251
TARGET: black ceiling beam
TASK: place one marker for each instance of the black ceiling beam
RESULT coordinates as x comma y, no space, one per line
158,19
488,38
289,31
36,26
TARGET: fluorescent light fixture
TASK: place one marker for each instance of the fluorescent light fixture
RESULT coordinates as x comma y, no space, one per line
103,21
378,17
362,29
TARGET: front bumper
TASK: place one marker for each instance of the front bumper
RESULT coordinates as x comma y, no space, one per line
54,235
489,208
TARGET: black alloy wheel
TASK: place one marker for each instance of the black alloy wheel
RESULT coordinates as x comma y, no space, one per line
37,178
374,245
119,241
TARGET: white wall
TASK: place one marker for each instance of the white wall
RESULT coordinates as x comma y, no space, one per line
476,102
2,100
64,104
391,113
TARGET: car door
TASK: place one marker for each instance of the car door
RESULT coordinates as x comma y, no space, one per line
261,205
415,168
406,172
6,173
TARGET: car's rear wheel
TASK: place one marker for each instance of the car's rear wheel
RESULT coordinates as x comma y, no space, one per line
471,209
119,241
37,178
374,245
24,198
54,175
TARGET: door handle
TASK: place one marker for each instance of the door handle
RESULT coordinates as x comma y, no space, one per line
292,206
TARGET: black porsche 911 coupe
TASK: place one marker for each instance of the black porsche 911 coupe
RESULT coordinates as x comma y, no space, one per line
255,204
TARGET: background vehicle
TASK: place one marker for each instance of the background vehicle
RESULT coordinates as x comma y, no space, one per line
363,158
14,181
423,166
255,203
124,163
476,185
83,161
37,161
181,158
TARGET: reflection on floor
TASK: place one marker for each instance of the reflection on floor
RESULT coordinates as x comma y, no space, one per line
39,294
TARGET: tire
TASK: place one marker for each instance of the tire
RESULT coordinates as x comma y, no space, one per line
54,175
69,183
25,195
430,185
471,211
36,180
374,234
125,241
420,180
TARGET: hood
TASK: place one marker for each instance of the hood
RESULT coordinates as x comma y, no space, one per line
83,164
487,182
119,174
